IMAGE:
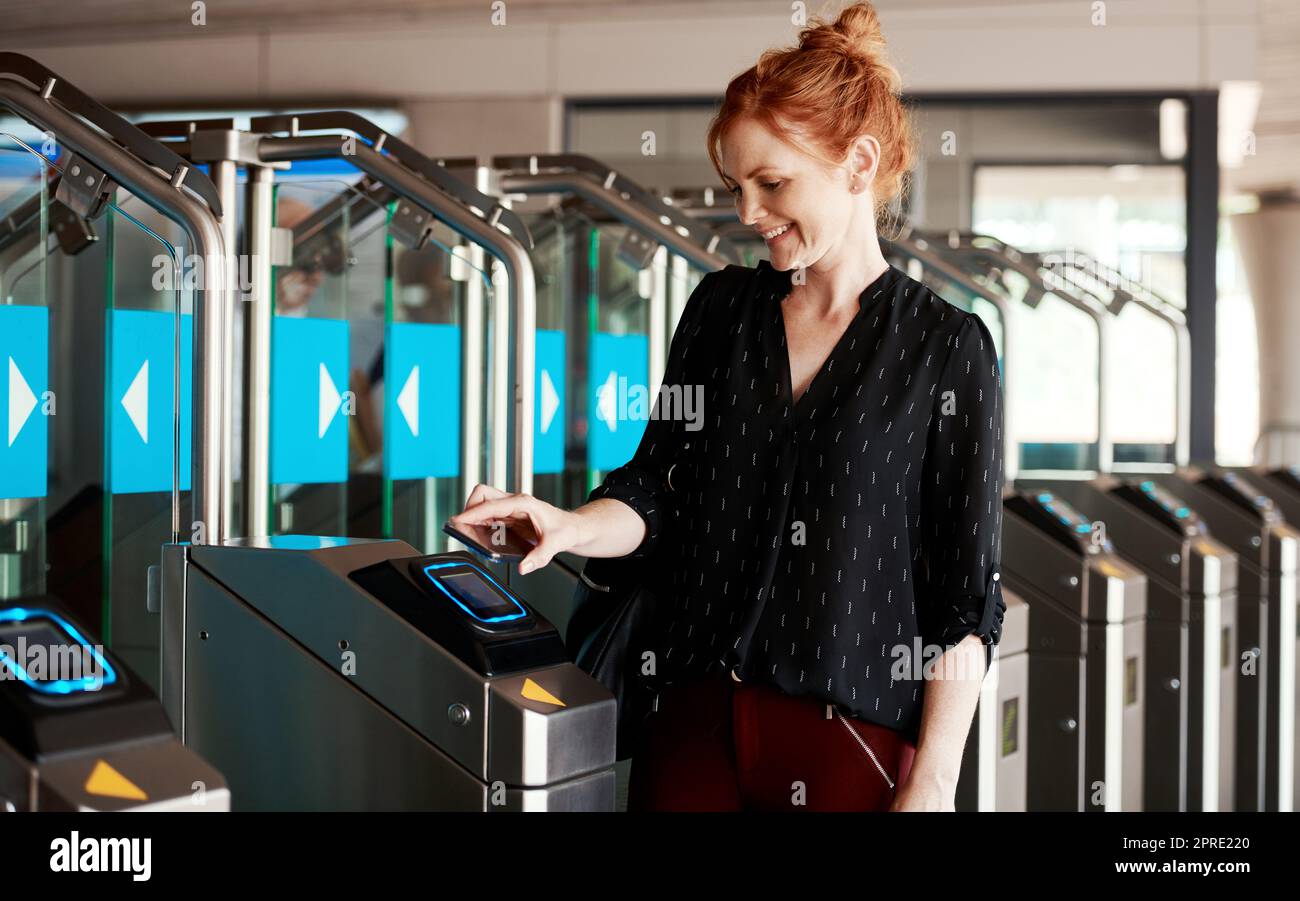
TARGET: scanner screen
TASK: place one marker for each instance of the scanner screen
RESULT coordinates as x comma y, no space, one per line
43,652
475,593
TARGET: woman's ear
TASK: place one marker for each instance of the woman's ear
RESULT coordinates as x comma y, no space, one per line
864,160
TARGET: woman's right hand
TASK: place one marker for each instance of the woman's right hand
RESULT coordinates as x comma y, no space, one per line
549,528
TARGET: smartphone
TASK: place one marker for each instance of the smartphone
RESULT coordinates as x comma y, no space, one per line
495,543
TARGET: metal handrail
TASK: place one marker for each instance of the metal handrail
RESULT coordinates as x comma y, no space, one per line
998,254
491,209
1157,306
76,102
403,171
621,198
478,227
134,160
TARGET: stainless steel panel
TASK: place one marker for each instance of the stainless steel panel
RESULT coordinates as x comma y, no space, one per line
993,771
306,594
536,741
592,792
292,733
170,776
1280,650
1086,650
268,698
17,781
1245,536
171,685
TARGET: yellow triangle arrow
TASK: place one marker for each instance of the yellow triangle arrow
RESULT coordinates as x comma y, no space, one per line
534,692
109,783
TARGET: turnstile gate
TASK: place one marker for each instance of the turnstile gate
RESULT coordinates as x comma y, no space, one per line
1086,643
1189,726
1244,518
993,767
324,673
81,731
1282,484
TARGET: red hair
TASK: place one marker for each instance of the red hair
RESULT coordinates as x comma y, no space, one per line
820,96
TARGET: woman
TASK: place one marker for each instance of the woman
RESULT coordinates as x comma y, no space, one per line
826,536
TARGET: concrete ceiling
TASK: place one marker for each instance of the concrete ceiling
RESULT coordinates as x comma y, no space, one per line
37,21
1272,165
1276,163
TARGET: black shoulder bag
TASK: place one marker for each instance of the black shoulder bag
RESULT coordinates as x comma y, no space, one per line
612,625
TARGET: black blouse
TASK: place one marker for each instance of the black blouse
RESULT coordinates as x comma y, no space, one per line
830,547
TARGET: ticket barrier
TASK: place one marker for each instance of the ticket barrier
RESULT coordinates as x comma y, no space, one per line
1191,628
1246,519
1282,484
346,674
993,766
79,731
1086,643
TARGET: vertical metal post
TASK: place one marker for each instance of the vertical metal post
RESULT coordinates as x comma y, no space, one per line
499,469
259,215
677,293
1202,180
224,173
1105,446
658,310
525,374
1182,441
473,334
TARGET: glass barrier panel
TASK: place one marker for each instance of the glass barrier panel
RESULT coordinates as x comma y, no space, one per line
327,338
143,403
91,316
26,457
435,370
618,354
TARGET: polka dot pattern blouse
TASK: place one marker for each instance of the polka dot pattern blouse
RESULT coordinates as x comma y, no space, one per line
832,546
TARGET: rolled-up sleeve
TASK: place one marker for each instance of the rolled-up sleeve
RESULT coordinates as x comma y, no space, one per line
961,497
643,482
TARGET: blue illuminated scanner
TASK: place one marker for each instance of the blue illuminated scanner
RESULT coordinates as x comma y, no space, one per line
23,629
475,592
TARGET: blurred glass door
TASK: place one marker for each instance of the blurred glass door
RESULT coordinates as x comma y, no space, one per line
368,378
608,304
96,328
1132,219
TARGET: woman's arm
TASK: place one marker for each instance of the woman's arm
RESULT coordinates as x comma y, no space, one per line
641,484
625,513
608,528
958,590
946,714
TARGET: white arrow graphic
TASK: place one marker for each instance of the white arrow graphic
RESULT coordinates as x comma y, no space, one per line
550,400
329,401
136,401
607,401
21,401
408,401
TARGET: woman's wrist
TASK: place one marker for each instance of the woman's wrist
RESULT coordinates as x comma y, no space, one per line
941,775
946,782
581,524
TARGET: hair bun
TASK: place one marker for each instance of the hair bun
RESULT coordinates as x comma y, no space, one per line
856,33
822,95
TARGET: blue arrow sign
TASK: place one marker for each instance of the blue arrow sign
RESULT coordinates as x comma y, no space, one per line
620,371
549,414
24,356
422,401
141,400
309,377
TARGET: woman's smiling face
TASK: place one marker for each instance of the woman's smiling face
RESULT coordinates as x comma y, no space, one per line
804,210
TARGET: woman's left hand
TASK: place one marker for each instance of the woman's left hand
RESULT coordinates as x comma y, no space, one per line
920,793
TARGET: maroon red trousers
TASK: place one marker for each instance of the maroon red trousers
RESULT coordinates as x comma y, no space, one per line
716,744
